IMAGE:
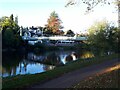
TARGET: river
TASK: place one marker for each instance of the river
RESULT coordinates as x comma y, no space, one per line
31,63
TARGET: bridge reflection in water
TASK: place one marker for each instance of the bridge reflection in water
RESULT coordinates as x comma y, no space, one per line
31,63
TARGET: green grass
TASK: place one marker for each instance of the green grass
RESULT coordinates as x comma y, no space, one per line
21,81
105,80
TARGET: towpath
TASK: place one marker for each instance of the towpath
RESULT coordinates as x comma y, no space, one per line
74,77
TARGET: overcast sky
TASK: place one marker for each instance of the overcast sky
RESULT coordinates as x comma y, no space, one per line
36,13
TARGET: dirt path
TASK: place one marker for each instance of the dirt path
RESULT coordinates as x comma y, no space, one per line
74,77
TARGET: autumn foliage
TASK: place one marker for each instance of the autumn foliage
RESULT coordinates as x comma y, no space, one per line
54,24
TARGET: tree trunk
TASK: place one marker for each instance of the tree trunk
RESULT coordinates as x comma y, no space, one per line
119,15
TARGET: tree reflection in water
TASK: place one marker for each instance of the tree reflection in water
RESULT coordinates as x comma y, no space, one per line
48,67
30,63
23,66
10,61
87,54
13,65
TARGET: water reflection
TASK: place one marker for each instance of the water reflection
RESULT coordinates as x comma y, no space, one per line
31,63
71,57
87,54
13,66
25,67
53,57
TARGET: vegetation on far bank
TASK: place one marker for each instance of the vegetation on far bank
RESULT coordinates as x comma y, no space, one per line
21,81
102,36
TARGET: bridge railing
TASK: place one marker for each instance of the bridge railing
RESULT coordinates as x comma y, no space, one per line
55,38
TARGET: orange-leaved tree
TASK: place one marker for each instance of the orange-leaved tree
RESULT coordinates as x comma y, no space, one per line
54,24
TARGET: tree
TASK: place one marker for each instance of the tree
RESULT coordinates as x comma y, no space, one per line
102,37
54,24
70,33
10,32
8,38
16,19
12,17
93,3
116,38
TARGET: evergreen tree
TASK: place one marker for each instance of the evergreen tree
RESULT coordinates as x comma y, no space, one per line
54,24
16,19
12,17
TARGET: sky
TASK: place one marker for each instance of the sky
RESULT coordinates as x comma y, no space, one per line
36,13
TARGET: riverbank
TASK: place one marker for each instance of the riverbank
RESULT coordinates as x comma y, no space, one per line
108,79
42,48
74,77
21,81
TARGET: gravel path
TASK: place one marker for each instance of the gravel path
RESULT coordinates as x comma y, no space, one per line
74,77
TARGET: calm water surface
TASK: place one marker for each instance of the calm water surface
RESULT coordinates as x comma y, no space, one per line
31,63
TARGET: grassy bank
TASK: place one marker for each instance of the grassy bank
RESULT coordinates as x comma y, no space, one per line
26,80
105,80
